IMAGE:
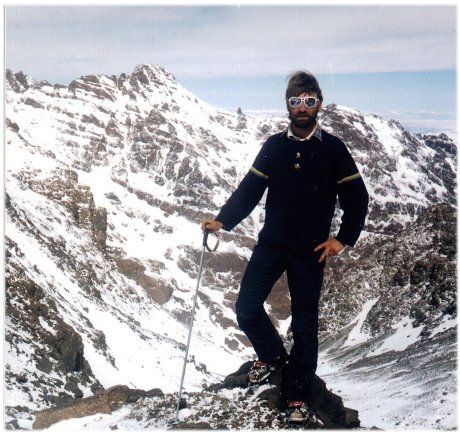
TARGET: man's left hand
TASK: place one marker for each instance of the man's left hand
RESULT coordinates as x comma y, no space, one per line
331,248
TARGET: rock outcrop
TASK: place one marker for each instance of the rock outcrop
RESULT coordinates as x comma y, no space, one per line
104,402
328,406
63,187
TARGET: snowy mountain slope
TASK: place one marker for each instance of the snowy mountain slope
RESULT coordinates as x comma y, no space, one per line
398,381
144,124
392,392
119,344
405,172
399,351
106,181
119,333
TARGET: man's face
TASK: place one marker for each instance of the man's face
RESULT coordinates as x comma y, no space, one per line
303,117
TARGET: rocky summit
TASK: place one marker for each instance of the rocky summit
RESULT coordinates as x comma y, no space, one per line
231,404
106,181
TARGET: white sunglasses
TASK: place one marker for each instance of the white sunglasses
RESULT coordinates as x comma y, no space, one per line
310,101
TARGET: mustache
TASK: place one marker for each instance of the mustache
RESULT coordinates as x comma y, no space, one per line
305,116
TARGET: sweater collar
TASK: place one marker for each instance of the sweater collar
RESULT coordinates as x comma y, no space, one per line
316,132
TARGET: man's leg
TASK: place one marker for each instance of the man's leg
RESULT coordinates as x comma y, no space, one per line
264,269
305,279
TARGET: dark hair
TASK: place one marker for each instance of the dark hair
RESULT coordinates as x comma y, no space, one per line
303,82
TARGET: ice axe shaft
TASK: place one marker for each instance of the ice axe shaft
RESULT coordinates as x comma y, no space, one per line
205,246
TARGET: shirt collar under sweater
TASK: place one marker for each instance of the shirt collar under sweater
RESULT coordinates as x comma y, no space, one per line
315,132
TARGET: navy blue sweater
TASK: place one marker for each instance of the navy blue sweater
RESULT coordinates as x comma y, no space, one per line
304,179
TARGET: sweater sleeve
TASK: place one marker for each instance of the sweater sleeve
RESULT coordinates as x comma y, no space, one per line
353,197
247,195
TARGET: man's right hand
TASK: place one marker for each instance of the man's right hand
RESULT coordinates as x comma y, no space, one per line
211,225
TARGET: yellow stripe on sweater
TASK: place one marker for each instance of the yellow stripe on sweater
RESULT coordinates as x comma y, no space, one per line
349,178
258,173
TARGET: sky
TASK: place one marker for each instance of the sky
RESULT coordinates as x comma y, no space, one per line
395,61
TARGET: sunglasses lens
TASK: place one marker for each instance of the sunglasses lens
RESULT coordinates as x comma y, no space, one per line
295,102
310,102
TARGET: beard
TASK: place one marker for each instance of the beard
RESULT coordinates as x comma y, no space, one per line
303,121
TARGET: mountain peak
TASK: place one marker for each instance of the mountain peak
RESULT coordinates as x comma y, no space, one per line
157,74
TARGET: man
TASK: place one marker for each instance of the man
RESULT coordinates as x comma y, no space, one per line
305,169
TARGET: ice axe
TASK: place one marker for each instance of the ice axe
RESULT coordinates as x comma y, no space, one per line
205,246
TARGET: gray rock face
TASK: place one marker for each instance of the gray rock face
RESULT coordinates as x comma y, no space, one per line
413,274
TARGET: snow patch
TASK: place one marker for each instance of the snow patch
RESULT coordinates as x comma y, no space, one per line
357,334
404,336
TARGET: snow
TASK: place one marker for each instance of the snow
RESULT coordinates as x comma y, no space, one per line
46,326
357,335
142,362
445,324
396,402
390,389
405,335
396,381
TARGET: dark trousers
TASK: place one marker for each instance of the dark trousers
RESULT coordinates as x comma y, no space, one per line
305,277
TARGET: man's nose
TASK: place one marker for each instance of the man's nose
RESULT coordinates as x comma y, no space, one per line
302,107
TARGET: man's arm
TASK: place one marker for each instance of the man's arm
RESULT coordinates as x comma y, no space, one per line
354,199
353,196
243,200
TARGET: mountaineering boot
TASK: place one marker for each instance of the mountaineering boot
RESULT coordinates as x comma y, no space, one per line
260,371
299,415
